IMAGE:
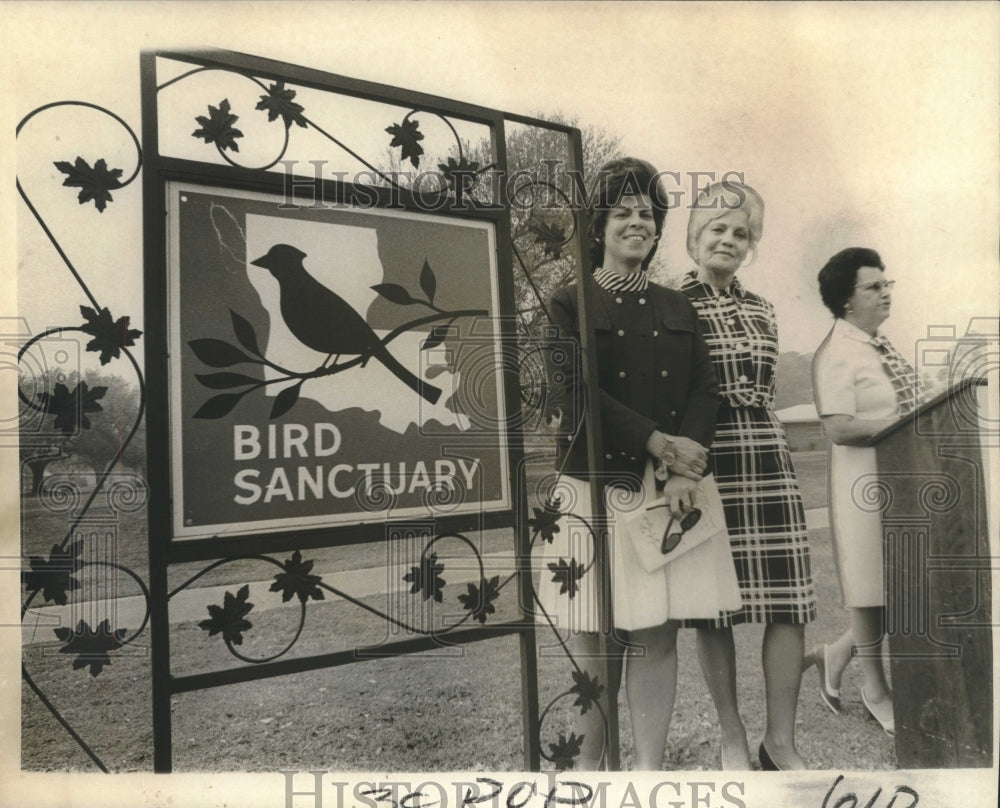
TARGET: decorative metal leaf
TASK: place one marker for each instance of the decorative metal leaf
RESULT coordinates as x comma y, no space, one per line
54,576
567,575
285,400
464,171
552,237
96,183
218,127
219,406
217,353
481,603
70,409
395,293
230,618
546,520
110,336
278,101
296,580
564,752
428,282
225,381
92,647
426,578
588,690
407,135
245,333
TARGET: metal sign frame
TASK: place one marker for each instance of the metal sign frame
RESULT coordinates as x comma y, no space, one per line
164,548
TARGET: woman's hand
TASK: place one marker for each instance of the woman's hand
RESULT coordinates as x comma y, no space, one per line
681,455
659,446
679,493
692,458
845,430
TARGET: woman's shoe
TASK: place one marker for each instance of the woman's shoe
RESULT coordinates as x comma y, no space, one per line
741,764
767,763
881,711
830,695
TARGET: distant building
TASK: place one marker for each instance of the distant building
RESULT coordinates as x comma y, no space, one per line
803,428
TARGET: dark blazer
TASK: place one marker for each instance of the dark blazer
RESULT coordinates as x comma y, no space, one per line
654,372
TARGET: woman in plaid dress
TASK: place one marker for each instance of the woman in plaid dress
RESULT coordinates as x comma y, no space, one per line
753,468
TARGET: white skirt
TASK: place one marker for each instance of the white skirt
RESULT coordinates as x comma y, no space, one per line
699,584
856,525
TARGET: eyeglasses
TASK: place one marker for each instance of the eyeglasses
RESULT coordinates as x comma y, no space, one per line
876,286
671,540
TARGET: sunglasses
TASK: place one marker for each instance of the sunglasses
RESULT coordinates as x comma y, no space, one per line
671,540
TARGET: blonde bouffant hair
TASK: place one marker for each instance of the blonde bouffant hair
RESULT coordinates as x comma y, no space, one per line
718,199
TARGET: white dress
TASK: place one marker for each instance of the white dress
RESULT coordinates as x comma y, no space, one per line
699,584
849,379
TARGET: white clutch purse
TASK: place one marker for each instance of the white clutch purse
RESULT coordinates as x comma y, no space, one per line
658,538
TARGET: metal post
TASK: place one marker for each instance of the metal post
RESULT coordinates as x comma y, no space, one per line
154,240
526,636
595,453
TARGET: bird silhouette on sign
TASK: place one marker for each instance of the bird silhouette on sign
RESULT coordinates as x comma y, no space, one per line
322,320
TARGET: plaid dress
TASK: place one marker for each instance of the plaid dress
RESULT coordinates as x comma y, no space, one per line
753,465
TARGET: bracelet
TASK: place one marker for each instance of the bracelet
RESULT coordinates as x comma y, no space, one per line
669,454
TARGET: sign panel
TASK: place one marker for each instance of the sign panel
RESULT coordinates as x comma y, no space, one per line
329,365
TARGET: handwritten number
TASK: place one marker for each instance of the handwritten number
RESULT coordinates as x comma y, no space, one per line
904,790
850,799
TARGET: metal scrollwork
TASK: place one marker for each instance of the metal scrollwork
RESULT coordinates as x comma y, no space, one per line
54,579
426,579
217,128
554,517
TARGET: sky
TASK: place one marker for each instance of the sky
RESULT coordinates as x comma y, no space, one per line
865,124
860,124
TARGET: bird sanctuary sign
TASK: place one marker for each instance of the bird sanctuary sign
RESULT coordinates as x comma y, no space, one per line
329,365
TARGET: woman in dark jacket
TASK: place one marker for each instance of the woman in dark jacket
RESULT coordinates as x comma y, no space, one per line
658,401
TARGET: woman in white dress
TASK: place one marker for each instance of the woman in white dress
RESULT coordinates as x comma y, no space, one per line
861,385
658,399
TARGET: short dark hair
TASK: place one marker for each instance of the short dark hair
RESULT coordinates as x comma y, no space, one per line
840,273
626,176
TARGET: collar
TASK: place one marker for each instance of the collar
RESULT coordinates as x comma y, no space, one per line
692,286
851,331
611,281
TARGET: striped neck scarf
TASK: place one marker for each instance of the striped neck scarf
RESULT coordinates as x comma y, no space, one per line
613,282
901,374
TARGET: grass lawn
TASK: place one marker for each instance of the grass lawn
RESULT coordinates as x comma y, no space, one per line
455,708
